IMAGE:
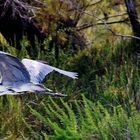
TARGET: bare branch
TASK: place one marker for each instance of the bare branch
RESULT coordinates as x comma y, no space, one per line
116,15
97,2
122,35
85,26
18,7
117,34
106,25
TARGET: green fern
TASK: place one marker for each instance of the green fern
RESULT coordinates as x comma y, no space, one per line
84,119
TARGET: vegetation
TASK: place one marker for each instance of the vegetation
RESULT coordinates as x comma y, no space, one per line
96,40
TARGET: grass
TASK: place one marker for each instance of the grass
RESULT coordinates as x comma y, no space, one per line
102,104
87,120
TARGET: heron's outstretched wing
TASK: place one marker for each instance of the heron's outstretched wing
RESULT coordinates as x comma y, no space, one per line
12,70
39,70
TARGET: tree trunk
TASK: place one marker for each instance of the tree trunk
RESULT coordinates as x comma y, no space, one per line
133,16
131,10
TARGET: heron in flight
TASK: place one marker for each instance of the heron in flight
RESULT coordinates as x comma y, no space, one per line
18,77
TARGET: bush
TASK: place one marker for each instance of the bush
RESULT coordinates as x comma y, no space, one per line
83,119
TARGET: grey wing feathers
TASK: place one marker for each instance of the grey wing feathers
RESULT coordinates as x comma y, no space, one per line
73,75
12,70
39,70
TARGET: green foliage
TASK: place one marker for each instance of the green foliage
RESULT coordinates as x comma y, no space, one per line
108,81
11,124
83,119
107,71
108,76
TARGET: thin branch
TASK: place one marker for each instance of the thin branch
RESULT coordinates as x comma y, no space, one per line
85,26
117,34
109,28
97,2
18,7
122,35
116,15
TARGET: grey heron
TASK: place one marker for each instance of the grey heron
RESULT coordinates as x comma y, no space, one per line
18,77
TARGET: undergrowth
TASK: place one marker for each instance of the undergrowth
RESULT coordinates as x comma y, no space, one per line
83,119
102,104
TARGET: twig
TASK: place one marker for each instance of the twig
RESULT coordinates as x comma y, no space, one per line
85,26
20,8
109,28
116,15
97,2
122,35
